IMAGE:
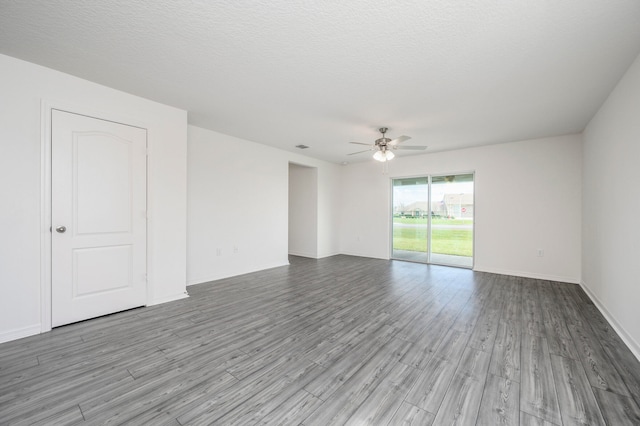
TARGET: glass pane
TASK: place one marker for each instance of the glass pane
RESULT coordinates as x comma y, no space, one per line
410,219
452,220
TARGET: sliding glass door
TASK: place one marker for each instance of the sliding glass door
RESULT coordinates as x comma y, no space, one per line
410,219
433,219
452,220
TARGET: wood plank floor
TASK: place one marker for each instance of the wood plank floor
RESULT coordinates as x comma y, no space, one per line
341,340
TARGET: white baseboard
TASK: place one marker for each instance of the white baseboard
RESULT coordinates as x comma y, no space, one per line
328,255
310,256
547,277
370,256
19,333
206,279
301,254
633,346
168,299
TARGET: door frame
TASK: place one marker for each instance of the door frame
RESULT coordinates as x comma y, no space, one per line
46,196
429,176
390,218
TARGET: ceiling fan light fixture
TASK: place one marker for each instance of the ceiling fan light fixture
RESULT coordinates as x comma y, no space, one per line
380,156
383,156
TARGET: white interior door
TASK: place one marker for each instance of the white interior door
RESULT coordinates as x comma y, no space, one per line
98,213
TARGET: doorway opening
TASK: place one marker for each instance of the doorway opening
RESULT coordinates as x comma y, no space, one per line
303,211
432,219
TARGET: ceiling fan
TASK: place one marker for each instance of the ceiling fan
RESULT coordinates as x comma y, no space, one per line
383,146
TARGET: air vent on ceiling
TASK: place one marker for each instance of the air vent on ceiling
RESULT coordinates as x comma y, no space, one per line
302,146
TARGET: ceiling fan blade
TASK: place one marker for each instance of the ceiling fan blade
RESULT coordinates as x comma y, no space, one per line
360,143
398,140
360,152
413,147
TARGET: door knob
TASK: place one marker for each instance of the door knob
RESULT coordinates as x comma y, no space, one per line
61,229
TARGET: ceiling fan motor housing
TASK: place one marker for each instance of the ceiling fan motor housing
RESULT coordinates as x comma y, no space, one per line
382,142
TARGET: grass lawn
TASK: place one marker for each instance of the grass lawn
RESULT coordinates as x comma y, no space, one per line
458,242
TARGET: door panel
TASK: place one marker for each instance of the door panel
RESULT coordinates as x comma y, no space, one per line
452,220
99,195
410,219
101,269
102,179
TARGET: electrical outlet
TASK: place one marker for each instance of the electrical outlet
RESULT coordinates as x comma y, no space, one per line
235,249
219,252
540,253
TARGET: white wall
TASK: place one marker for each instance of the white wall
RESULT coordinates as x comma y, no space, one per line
528,197
303,211
22,88
329,207
238,203
611,205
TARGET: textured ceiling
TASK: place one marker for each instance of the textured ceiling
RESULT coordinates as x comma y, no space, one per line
450,74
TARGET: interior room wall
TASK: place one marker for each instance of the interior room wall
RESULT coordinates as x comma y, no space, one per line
238,205
611,207
23,87
329,189
303,208
527,197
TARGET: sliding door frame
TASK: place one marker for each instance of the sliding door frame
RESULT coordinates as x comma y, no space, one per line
429,178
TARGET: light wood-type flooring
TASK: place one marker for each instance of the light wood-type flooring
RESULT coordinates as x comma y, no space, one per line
341,340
